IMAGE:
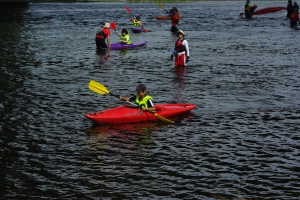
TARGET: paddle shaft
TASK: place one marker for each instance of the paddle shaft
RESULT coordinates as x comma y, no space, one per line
161,6
113,26
155,114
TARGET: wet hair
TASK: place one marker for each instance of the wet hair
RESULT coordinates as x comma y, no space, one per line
175,9
124,30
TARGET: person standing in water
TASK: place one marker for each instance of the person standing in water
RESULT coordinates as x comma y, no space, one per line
289,9
181,50
294,19
249,9
101,35
175,20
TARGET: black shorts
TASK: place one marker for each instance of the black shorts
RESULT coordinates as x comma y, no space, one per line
174,29
100,43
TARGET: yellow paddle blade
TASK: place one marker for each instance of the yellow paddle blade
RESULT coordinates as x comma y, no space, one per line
159,5
164,119
98,87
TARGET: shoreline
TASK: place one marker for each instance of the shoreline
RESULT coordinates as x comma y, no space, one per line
95,1
128,1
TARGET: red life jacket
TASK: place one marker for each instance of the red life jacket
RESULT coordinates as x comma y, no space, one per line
179,47
101,35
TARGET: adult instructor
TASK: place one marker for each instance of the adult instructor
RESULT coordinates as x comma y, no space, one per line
101,35
175,20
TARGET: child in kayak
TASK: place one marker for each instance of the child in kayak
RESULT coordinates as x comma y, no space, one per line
124,38
142,100
181,50
136,21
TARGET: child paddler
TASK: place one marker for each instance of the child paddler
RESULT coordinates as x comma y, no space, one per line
142,100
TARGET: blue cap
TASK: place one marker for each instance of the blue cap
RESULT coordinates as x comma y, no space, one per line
140,88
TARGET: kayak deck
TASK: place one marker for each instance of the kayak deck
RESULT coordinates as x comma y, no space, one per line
137,29
119,46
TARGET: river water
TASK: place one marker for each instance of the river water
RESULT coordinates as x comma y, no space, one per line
242,141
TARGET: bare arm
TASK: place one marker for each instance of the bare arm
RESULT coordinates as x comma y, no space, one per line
108,41
150,109
124,98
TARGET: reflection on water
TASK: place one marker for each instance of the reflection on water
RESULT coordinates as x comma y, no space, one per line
115,130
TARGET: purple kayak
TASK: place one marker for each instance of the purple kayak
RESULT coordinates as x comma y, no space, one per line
119,46
137,29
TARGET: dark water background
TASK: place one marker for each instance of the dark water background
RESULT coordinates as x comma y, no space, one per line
241,141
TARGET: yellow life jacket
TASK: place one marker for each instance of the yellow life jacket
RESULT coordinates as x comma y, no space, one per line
143,103
123,38
247,7
136,23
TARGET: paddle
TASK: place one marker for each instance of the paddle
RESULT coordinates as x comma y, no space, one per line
101,89
128,10
113,26
161,6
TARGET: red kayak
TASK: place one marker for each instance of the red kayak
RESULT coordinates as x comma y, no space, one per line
267,10
129,114
166,17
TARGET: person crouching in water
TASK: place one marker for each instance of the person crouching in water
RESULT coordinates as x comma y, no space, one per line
249,9
124,37
181,50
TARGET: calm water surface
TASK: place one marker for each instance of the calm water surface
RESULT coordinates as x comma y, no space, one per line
241,141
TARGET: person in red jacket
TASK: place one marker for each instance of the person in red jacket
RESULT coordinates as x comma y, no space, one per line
294,18
289,9
175,20
181,50
101,35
